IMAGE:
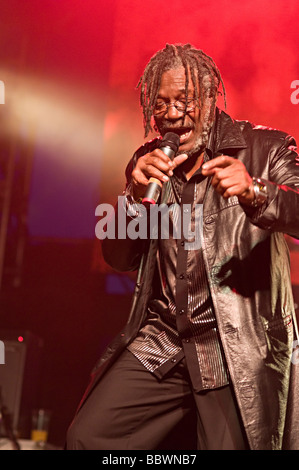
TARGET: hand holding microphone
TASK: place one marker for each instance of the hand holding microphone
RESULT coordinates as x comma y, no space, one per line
155,168
169,145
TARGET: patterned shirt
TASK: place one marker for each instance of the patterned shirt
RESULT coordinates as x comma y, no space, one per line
180,320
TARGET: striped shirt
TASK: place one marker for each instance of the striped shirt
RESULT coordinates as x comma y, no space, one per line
180,319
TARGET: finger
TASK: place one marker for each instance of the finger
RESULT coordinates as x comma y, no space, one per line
230,172
139,179
231,187
161,156
140,182
226,188
157,159
217,163
231,191
152,171
179,160
158,153
219,177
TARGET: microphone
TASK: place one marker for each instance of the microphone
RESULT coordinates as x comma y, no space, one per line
169,145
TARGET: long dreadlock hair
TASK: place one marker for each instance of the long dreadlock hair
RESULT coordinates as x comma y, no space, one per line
199,66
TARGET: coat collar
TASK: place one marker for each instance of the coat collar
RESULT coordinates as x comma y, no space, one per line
225,134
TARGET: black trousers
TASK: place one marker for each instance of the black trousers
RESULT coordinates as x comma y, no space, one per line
131,409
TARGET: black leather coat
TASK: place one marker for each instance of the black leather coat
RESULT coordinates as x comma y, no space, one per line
247,263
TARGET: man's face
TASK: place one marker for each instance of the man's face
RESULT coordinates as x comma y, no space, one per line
189,129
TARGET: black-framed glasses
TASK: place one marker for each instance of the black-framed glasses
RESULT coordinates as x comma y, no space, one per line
161,107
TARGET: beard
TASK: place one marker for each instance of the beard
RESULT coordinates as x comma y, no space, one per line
197,149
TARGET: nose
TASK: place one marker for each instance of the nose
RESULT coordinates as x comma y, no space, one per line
173,112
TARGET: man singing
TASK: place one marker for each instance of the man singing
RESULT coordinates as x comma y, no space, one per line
210,332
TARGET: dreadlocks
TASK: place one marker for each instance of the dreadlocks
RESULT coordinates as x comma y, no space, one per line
200,67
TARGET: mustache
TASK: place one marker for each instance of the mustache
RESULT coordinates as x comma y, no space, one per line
168,126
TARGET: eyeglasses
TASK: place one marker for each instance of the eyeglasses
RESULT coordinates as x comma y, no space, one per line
181,105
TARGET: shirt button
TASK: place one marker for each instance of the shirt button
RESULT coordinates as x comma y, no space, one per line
173,360
181,276
181,311
182,243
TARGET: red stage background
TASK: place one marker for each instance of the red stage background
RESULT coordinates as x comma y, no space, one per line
72,117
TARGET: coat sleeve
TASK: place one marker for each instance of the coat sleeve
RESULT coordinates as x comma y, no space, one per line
281,211
122,252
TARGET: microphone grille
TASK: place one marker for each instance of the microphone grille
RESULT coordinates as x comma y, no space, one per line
171,140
